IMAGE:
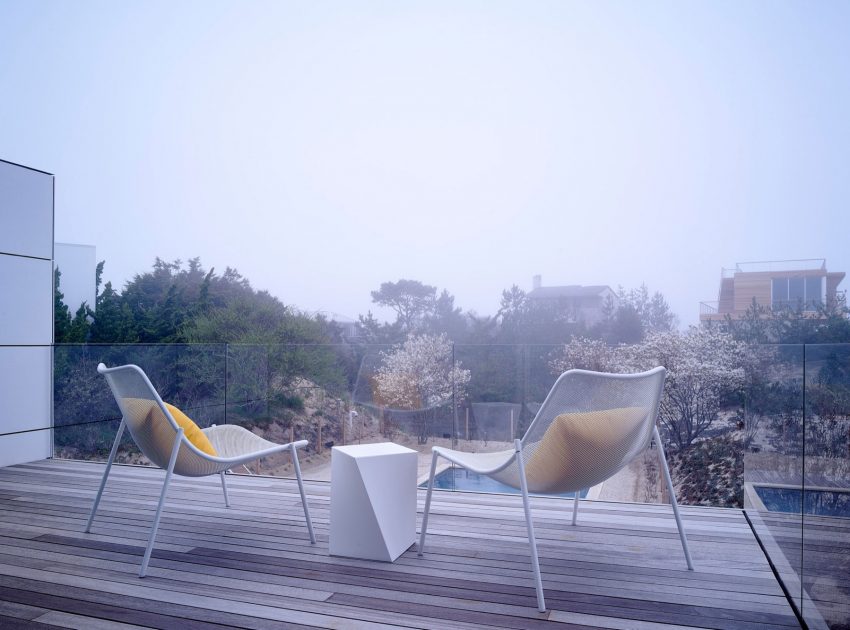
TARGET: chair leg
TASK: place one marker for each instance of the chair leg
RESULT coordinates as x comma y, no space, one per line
666,471
575,506
111,459
421,549
535,564
169,471
303,495
224,489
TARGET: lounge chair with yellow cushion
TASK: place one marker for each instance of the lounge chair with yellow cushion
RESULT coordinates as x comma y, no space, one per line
590,426
173,442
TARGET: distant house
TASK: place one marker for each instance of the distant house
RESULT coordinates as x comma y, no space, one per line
796,284
579,303
347,326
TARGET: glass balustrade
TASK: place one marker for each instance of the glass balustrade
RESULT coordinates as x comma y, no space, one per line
781,441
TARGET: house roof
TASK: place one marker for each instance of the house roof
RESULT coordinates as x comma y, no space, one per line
573,290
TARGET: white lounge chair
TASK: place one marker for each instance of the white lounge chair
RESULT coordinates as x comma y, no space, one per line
164,442
590,426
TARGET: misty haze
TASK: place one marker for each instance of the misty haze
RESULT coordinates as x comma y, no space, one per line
324,149
424,314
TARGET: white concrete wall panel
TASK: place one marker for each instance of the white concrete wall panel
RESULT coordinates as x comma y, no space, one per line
19,448
26,301
25,388
26,212
26,314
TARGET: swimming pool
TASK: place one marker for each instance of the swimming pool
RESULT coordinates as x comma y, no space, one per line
818,502
460,479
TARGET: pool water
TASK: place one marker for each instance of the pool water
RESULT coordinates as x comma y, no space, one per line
460,479
818,502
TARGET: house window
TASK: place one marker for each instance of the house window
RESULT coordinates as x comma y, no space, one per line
779,292
798,291
814,292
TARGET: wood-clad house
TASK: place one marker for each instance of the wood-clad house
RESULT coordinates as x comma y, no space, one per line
803,285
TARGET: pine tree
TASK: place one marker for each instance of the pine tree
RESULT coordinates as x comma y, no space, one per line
61,313
78,332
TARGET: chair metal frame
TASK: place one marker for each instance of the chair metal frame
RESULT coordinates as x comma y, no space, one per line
485,467
206,464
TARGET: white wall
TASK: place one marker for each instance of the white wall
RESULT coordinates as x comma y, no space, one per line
26,300
78,266
26,313
26,211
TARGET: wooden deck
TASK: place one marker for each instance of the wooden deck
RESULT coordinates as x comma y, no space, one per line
252,566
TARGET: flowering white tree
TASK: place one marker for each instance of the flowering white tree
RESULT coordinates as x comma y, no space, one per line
420,375
704,366
588,354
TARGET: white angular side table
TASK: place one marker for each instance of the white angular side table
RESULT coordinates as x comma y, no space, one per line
373,501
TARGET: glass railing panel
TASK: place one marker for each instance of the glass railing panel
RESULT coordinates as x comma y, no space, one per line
826,492
641,480
312,384
86,417
773,462
374,415
541,367
310,392
247,384
489,414
196,382
336,395
403,394
490,405
288,393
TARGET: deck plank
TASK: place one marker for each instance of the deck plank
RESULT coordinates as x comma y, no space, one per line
252,566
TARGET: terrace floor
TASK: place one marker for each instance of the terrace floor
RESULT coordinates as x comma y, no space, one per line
252,565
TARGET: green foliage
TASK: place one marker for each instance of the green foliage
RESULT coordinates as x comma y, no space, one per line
291,401
711,473
496,371
627,326
65,328
446,318
162,301
113,320
371,331
789,325
418,310
78,331
503,371
177,319
633,315
61,313
174,303
81,396
410,299
522,321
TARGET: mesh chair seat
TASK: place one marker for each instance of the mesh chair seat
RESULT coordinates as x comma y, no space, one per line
236,445
481,463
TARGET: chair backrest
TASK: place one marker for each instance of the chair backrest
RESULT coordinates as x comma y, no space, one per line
591,425
149,422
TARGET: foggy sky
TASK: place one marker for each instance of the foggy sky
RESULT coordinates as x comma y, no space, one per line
324,148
